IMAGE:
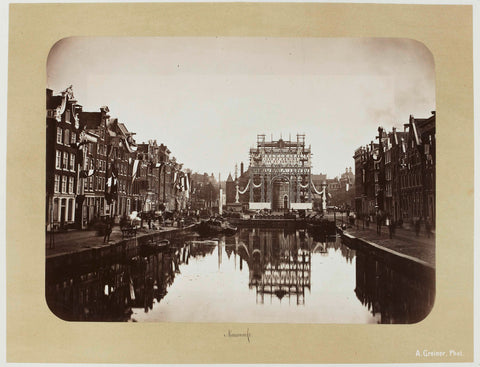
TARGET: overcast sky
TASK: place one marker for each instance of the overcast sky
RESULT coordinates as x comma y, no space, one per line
208,98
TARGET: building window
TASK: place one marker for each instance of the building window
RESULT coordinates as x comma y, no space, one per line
67,115
65,160
59,135
73,138
90,183
58,160
72,161
70,185
66,137
64,184
56,187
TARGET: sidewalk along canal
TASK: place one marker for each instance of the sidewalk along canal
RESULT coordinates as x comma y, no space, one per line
404,242
80,248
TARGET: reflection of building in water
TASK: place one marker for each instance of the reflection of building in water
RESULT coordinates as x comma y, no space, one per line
279,264
90,294
108,292
398,298
320,243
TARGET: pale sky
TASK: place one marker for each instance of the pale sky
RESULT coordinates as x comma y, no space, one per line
208,98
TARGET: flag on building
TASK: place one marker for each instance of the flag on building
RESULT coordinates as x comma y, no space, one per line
111,185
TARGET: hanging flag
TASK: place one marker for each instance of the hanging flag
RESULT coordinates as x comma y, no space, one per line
89,173
111,185
109,149
135,169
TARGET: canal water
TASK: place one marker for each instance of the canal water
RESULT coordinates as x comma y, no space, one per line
257,276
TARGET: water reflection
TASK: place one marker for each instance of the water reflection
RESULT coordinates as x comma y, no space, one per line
258,275
279,263
393,296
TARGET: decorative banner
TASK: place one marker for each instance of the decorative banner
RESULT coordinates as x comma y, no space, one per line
111,185
89,173
187,185
135,169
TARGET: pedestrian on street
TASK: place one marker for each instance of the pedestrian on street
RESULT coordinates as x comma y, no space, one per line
428,227
417,226
108,231
368,220
379,223
389,224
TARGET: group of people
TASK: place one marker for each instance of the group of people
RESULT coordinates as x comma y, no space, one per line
381,218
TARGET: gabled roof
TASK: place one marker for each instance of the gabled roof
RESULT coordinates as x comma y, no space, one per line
53,102
123,129
229,179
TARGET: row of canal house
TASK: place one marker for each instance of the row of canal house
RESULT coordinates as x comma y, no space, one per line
395,174
95,169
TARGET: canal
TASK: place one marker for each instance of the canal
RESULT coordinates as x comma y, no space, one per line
257,276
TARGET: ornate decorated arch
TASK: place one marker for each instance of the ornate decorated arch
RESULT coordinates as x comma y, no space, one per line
281,161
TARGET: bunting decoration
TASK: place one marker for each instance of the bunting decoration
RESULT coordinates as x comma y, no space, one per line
257,186
244,190
303,186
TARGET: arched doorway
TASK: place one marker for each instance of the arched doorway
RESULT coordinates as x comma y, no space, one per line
280,193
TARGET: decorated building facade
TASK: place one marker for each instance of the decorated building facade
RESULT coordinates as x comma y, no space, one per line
94,168
395,175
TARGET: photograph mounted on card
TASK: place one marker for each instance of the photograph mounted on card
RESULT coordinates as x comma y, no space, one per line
211,187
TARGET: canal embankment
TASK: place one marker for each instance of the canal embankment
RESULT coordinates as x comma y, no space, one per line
75,248
406,252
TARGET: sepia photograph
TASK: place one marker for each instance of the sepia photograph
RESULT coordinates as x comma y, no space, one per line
259,180
240,183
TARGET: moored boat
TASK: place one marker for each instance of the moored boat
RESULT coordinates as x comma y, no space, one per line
216,226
